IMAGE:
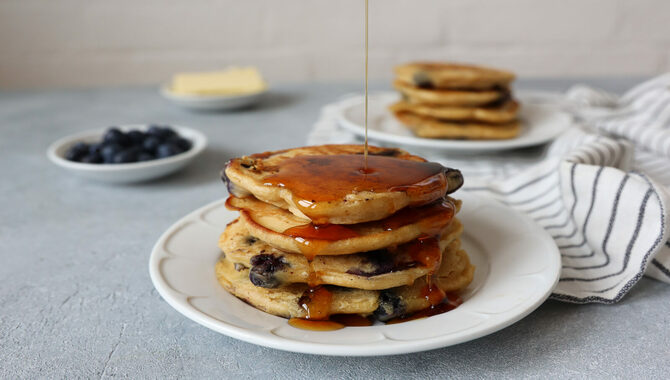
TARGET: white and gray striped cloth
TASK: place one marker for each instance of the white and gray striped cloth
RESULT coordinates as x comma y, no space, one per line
601,190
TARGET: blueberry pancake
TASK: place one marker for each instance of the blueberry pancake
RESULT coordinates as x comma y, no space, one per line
497,114
439,97
287,232
325,230
327,184
382,269
452,76
424,126
292,301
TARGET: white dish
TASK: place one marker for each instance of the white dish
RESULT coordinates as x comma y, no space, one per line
125,173
212,102
540,124
517,267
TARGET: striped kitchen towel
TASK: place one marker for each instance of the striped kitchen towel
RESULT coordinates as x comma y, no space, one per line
601,190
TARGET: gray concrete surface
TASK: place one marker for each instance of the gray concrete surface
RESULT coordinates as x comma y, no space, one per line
76,300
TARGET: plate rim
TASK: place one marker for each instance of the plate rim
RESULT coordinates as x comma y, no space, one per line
357,349
444,144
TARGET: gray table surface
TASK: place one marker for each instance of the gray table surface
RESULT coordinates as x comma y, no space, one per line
76,299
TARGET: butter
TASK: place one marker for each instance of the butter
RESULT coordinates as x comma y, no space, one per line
231,81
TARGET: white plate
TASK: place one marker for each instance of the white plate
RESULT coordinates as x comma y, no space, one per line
125,173
517,267
212,102
540,124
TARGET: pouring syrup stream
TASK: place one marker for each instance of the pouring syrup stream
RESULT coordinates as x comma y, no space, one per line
366,88
317,299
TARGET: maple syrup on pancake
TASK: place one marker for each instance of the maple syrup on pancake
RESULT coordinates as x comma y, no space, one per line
329,232
450,302
316,302
322,178
353,320
307,324
336,322
433,217
426,251
314,238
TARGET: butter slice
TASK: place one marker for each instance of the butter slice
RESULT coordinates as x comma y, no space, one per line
231,81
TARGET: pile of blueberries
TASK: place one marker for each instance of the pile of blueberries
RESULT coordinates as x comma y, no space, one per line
119,147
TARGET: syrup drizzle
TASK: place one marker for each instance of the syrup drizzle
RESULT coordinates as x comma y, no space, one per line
365,167
315,239
450,302
321,178
316,302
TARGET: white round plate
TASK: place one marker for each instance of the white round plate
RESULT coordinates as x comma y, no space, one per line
212,102
540,124
131,172
517,267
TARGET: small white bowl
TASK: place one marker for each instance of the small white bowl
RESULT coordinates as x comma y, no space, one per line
212,102
130,172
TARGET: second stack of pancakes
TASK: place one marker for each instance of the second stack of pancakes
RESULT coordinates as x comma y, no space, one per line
456,101
317,237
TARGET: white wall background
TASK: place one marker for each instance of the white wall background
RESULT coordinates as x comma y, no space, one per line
49,43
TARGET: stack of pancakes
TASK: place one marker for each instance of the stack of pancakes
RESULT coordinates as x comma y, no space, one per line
443,100
309,243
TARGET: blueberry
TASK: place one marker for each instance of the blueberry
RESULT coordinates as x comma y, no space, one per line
108,152
454,180
151,143
168,132
422,80
77,151
390,306
92,158
154,130
263,269
95,148
378,263
136,137
126,156
163,133
180,142
144,156
167,150
72,156
114,135
80,146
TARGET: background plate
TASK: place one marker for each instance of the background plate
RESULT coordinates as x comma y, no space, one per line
212,102
517,267
540,124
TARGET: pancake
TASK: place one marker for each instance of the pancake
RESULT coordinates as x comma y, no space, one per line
452,76
382,269
287,232
428,127
505,113
384,304
403,300
289,179
449,97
